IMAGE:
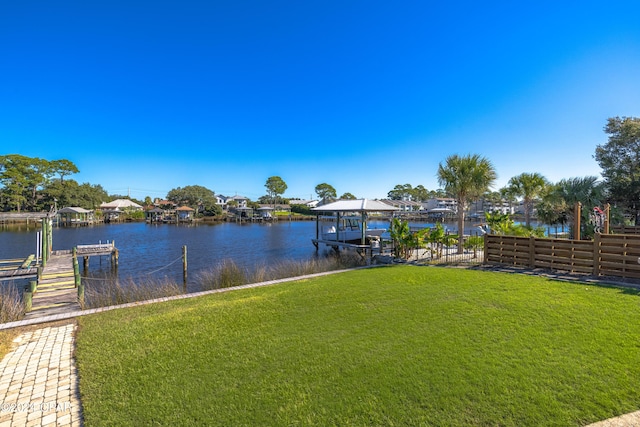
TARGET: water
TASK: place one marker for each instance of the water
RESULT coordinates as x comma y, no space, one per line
156,249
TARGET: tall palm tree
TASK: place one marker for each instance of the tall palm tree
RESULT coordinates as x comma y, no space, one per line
529,186
465,178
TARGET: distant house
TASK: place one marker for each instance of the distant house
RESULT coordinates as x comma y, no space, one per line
404,205
164,204
279,207
443,205
241,202
112,210
308,203
221,201
121,205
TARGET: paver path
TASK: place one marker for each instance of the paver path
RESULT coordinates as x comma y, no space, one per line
39,381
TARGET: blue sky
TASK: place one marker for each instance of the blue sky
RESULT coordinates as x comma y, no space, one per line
146,96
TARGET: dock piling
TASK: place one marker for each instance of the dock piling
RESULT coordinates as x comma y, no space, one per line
28,299
184,268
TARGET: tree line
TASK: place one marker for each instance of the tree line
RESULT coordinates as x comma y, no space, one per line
35,184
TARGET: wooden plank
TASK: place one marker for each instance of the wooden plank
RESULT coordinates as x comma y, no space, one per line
56,294
618,273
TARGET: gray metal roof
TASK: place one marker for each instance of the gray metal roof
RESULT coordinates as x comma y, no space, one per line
358,205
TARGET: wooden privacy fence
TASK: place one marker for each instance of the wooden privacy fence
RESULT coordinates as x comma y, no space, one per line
625,229
607,255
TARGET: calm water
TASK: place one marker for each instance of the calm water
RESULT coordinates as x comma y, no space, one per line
156,250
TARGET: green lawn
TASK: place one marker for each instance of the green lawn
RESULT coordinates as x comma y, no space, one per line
399,345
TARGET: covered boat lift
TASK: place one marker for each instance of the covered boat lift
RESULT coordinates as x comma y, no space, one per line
341,207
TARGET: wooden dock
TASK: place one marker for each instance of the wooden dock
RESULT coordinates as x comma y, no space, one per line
56,292
18,268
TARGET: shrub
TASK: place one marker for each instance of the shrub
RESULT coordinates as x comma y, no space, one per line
223,275
227,273
11,304
106,292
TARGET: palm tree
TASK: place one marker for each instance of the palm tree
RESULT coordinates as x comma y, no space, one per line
587,190
465,178
529,186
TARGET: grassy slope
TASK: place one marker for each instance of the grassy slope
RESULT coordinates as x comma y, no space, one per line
390,346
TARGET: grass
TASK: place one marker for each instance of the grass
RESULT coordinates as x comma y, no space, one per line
11,304
400,345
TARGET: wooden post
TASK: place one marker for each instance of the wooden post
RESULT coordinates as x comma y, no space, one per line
85,263
596,254
532,252
28,299
576,220
50,236
317,232
81,293
33,285
44,242
607,214
485,245
76,271
184,268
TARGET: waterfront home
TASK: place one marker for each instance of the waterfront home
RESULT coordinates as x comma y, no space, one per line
121,205
234,202
112,210
221,201
404,205
441,205
307,203
241,202
164,204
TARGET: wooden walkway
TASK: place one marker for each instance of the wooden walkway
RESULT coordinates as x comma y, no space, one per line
56,293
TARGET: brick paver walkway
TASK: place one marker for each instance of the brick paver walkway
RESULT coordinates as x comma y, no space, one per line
38,380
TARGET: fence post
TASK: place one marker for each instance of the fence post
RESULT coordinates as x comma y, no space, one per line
485,249
532,252
607,213
577,218
596,254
